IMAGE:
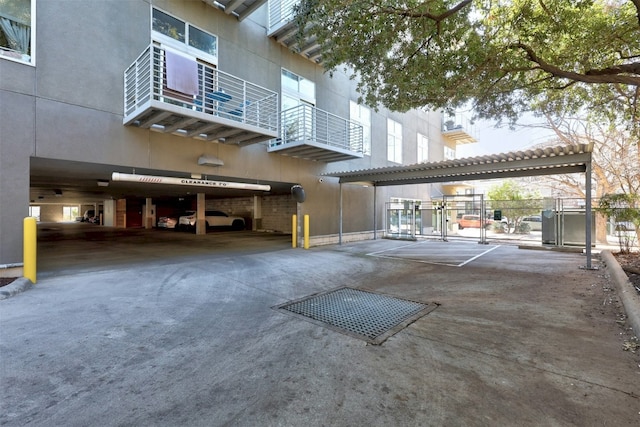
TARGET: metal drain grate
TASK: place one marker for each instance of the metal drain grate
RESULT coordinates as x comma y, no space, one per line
365,315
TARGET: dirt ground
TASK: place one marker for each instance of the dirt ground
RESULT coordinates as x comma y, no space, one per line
630,263
6,280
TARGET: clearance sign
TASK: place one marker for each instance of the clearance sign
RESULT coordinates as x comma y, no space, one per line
151,179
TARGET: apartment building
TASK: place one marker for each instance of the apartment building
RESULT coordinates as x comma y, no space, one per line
139,108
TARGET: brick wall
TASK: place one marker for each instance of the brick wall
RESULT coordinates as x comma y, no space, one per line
276,213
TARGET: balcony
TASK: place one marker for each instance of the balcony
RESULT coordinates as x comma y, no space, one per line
212,105
239,8
313,134
458,128
282,27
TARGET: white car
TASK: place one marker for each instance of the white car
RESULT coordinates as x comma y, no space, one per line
213,219
534,222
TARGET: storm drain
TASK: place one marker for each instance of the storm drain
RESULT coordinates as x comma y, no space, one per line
362,314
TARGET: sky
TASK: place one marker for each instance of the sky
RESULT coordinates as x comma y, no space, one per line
492,140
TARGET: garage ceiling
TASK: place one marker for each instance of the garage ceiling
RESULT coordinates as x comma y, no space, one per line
66,182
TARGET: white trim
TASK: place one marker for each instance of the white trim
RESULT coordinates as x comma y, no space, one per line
32,41
182,47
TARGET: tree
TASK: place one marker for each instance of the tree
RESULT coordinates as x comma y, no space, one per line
515,202
615,163
625,210
504,56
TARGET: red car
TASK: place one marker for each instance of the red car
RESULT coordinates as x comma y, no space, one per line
472,221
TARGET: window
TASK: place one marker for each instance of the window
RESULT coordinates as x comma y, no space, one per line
17,18
449,153
34,211
70,213
423,148
394,141
362,115
297,87
183,36
297,123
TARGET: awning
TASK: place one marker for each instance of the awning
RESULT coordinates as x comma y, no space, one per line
563,159
540,161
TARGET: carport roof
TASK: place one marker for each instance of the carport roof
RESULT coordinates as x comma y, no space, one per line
539,161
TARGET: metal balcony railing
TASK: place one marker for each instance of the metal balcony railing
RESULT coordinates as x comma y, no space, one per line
225,108
281,13
311,133
459,128
283,28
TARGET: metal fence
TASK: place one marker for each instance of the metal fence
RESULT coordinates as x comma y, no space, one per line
550,221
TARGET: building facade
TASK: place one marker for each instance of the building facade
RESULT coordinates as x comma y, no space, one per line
139,108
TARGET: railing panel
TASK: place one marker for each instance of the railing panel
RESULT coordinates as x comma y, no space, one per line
281,12
310,124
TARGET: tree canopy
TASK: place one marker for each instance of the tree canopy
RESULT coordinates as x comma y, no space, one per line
504,56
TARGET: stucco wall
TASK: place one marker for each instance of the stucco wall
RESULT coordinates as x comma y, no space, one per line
70,107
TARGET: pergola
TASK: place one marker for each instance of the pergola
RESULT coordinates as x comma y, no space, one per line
536,162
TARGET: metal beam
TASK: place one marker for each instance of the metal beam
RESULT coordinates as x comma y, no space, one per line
451,177
450,170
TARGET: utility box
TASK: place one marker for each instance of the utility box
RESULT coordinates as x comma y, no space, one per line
565,227
573,228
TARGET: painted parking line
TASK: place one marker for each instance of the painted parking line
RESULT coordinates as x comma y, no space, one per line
441,253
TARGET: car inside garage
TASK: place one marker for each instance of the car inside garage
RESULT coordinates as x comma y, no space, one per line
65,191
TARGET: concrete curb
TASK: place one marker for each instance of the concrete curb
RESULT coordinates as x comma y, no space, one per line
628,295
21,284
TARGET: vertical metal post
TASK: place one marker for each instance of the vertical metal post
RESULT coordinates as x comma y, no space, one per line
443,219
587,186
340,218
375,210
483,230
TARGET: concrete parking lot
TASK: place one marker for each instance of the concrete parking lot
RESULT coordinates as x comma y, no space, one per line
162,328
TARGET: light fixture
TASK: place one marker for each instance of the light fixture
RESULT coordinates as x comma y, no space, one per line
58,193
206,160
103,183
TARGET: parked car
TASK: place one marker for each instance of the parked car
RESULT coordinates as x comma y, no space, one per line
213,219
90,216
534,222
168,222
472,221
625,226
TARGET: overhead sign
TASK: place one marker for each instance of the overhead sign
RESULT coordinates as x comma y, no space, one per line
190,182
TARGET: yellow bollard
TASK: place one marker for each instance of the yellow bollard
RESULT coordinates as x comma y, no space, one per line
294,231
29,249
306,231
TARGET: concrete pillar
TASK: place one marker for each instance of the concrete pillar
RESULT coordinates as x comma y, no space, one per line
256,224
109,218
201,224
148,213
